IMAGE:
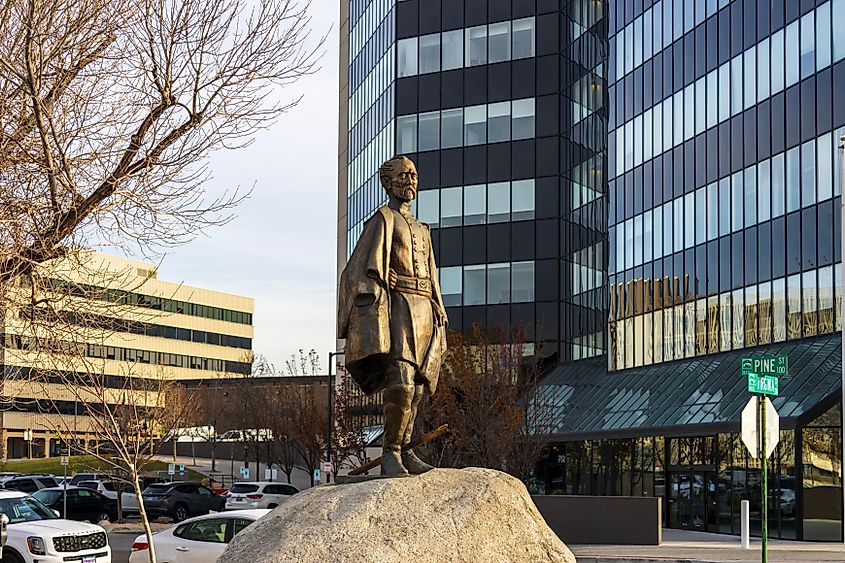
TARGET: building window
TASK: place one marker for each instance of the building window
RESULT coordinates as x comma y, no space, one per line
523,38
475,285
522,282
452,209
451,128
476,46
522,206
451,285
406,134
475,208
475,125
429,48
429,131
523,119
498,283
453,49
428,207
499,42
407,57
498,202
498,122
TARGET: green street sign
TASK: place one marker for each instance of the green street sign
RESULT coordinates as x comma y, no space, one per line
764,365
763,384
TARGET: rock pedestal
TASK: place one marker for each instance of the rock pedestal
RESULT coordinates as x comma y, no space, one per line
445,515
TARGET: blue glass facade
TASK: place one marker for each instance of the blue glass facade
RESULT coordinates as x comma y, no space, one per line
724,191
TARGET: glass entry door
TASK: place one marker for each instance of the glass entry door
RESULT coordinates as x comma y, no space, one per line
692,500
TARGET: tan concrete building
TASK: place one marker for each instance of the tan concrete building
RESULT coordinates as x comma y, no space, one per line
114,318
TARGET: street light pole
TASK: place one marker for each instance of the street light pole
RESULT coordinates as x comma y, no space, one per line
331,412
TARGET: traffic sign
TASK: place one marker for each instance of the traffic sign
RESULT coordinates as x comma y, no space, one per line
327,468
763,384
65,460
171,469
316,475
764,365
751,432
244,472
181,468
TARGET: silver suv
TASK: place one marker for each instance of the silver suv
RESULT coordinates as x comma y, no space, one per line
258,494
30,483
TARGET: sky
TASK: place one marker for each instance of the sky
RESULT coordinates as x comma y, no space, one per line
281,247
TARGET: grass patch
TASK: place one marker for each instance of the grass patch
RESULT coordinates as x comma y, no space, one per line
78,464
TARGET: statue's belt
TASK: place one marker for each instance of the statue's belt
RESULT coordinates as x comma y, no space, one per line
411,284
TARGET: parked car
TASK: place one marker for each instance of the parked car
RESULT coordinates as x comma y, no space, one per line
36,533
248,435
86,477
82,504
129,501
29,483
5,475
258,494
198,540
180,500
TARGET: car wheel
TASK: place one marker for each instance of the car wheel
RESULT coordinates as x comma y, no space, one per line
103,517
180,513
10,556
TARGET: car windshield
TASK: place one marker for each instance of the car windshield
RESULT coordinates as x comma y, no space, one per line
47,497
25,509
243,488
156,489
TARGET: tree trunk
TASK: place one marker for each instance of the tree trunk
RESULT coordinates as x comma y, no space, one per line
213,455
174,451
136,484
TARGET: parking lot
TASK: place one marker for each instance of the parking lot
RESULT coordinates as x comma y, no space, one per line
121,545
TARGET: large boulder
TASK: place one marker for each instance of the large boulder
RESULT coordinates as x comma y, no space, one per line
445,515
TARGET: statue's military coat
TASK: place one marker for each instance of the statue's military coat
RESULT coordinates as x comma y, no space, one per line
367,308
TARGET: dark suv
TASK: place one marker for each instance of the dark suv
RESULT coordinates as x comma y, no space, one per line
30,483
180,500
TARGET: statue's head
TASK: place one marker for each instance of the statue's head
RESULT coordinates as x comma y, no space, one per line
399,177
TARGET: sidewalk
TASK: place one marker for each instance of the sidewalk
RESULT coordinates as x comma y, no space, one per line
699,547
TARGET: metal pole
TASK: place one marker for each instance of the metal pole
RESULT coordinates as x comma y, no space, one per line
842,306
331,426
64,496
764,481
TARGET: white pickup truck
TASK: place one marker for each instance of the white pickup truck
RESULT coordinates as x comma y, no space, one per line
36,533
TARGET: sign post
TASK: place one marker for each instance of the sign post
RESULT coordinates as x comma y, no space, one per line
65,460
761,427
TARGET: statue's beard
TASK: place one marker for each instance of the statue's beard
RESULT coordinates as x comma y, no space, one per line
406,192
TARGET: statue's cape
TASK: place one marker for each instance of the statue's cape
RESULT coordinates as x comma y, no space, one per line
363,316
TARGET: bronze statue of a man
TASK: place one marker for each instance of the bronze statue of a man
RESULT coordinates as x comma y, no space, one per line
390,311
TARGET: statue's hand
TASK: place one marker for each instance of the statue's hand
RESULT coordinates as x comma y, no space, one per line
439,316
391,279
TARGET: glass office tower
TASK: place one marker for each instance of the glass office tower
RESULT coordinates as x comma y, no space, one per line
724,216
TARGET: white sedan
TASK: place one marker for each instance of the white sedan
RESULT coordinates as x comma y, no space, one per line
196,540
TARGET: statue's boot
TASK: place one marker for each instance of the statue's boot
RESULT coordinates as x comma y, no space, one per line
397,410
409,459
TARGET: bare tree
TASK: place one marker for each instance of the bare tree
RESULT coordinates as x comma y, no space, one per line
279,411
311,427
303,364
110,109
487,395
129,423
348,441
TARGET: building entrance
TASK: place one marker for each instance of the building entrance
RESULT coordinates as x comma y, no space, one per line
693,504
